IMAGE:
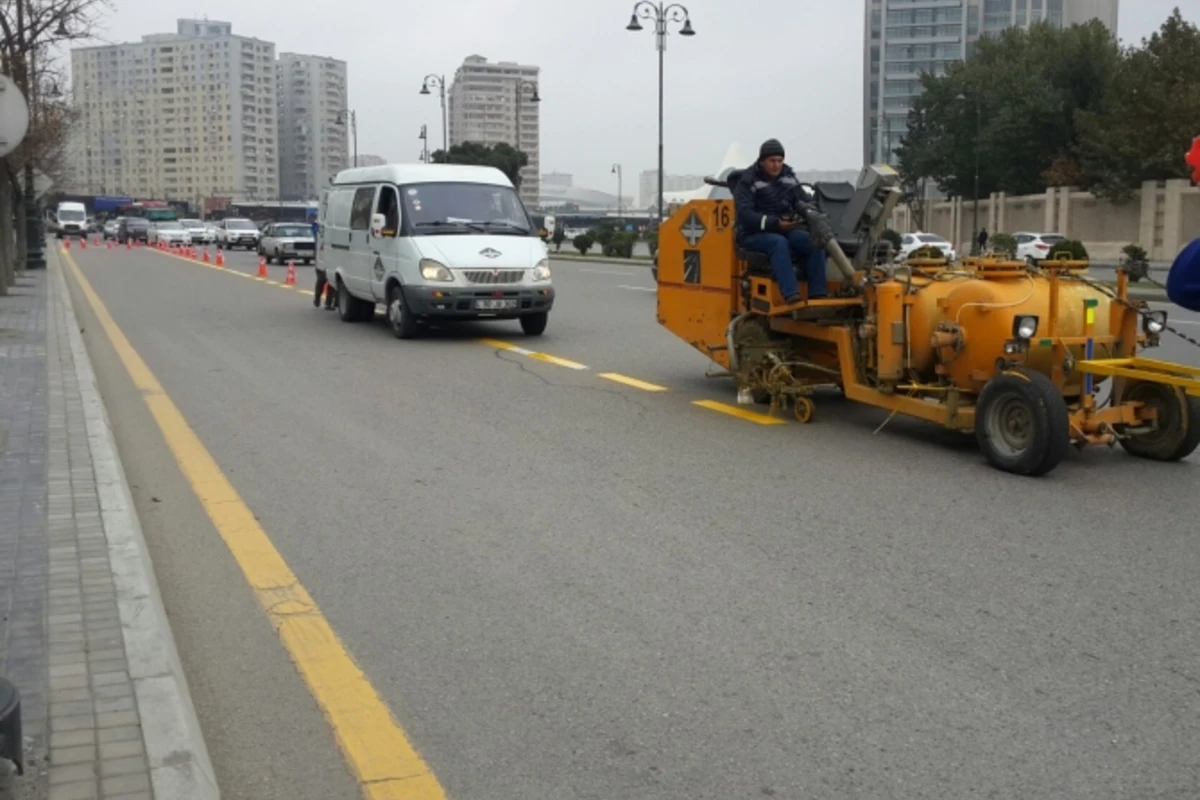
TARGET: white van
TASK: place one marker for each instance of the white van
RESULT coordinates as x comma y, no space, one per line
71,219
432,241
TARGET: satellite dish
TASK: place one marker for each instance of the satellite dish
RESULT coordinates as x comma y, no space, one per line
14,116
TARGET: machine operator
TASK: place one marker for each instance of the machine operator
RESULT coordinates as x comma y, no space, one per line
767,200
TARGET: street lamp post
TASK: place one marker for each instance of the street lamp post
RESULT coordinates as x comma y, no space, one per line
440,82
424,137
616,168
661,14
353,129
978,147
534,98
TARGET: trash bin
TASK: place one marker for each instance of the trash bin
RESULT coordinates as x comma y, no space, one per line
12,746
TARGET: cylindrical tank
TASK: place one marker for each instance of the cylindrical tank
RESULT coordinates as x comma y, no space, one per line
984,308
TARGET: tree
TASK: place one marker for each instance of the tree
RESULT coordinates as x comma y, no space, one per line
1150,114
582,243
27,29
501,156
1016,100
558,237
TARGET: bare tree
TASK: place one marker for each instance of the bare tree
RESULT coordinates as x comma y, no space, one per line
28,28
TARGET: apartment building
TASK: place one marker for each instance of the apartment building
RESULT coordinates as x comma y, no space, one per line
177,116
492,103
313,124
904,38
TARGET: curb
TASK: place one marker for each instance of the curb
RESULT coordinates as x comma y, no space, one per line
180,767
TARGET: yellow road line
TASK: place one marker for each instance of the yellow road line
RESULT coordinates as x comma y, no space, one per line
500,344
634,382
376,748
740,413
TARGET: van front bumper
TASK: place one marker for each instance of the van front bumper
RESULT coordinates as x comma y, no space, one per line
430,301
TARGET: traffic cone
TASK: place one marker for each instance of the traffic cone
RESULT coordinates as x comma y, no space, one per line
67,243
262,267
108,243
290,280
207,260
129,244
83,243
220,257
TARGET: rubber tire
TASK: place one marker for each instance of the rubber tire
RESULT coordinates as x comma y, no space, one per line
347,305
534,324
1051,422
408,327
1175,444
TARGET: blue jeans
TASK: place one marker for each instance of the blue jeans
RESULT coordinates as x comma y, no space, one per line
780,248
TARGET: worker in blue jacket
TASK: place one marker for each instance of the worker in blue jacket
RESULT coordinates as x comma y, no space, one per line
1183,281
767,200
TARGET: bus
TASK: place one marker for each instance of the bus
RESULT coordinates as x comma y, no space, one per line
152,210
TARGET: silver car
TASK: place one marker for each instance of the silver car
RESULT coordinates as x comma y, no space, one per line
199,231
288,241
168,232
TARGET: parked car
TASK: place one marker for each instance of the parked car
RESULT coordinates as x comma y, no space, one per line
169,232
282,241
133,229
911,242
200,232
111,227
1034,247
238,232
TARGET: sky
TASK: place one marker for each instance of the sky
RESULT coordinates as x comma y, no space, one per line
756,69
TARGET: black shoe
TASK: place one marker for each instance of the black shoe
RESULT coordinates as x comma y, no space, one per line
818,296
316,301
792,299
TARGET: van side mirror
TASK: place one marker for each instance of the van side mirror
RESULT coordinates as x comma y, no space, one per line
377,223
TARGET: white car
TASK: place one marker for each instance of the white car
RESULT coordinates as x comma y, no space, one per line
238,232
168,232
911,242
1035,247
200,233
283,241
110,228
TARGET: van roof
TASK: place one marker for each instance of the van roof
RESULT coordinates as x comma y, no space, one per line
423,173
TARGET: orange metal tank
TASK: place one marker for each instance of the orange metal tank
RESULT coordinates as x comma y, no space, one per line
983,309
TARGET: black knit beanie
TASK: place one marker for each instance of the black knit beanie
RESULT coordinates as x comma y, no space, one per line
771,147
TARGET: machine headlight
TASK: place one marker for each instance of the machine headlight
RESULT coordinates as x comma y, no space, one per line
433,271
1154,322
542,271
1025,326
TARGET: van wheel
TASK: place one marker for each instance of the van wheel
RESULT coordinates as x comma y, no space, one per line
402,323
347,305
534,324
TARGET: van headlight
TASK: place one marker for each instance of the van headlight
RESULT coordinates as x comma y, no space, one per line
433,271
542,271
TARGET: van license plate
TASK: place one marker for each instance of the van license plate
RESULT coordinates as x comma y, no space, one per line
495,305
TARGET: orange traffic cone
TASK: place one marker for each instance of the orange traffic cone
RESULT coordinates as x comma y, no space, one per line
262,268
67,244
108,243
220,257
290,280
206,259
129,244
83,243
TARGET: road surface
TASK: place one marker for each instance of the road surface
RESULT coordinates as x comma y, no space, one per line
566,580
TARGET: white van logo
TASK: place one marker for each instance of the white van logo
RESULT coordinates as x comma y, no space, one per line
489,252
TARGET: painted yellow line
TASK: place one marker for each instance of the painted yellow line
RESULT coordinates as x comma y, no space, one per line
376,748
740,413
560,362
500,344
634,382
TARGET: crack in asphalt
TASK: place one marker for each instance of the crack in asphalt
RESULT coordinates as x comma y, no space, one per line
520,363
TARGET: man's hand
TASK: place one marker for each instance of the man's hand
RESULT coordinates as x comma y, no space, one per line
787,225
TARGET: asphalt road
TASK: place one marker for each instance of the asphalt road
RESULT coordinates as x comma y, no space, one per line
564,586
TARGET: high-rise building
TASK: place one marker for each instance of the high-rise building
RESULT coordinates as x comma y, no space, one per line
313,124
904,38
177,116
493,103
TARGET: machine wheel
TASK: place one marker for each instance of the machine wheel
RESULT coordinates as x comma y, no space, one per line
534,324
1021,423
803,409
402,323
1177,434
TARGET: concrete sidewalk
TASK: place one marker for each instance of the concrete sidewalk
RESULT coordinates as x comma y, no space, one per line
83,633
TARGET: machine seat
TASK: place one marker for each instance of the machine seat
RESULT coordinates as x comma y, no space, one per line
756,263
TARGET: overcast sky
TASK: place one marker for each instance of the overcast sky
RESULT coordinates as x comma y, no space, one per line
790,69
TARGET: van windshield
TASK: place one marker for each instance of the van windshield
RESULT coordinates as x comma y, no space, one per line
71,215
455,208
